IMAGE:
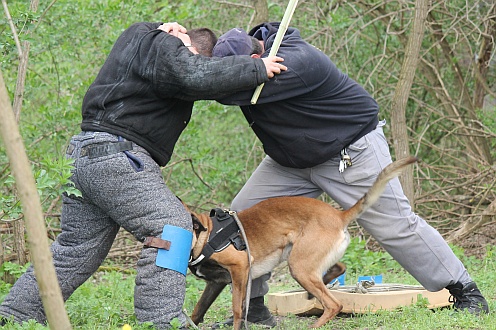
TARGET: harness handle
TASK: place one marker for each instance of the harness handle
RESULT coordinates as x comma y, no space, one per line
248,284
220,214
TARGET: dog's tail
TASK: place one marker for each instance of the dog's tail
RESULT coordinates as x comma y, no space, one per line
390,172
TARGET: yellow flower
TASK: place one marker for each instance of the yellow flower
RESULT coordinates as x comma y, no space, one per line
126,327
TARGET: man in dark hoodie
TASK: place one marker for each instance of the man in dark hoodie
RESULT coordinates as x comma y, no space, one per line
132,116
321,133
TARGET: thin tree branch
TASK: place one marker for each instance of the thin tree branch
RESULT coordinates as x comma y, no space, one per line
12,27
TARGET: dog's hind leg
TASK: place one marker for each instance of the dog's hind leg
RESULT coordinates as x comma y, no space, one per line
312,282
211,292
307,271
331,308
335,271
332,273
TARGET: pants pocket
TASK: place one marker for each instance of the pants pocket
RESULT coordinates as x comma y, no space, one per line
136,162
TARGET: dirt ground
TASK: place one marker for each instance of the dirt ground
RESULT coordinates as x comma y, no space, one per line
476,244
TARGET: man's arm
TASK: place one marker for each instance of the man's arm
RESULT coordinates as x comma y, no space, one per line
193,77
271,63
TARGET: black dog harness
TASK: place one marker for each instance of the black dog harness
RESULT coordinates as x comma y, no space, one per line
225,231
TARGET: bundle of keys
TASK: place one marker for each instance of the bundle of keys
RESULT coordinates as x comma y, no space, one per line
345,161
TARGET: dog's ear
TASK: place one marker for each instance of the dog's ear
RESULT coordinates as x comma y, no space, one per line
197,225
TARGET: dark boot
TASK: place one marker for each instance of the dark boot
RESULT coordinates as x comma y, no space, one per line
468,297
258,314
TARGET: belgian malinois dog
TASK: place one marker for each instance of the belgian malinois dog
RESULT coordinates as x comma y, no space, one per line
308,233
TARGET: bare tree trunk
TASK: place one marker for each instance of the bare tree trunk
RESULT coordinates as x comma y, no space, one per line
402,92
21,72
261,11
21,79
42,259
20,241
483,62
2,259
18,225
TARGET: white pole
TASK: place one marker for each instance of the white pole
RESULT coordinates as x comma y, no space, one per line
277,42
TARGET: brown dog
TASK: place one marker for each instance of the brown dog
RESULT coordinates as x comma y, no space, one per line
310,234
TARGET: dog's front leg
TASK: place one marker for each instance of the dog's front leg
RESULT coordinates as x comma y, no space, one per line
211,292
239,275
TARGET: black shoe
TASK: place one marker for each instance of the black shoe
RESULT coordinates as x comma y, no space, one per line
258,314
468,298
3,322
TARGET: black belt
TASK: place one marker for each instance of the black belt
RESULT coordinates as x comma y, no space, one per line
105,149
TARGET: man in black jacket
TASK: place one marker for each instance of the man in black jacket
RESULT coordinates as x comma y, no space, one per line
133,114
321,133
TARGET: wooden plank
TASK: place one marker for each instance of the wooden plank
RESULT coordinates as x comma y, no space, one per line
296,302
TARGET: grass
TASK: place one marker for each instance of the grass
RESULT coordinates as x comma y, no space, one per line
106,301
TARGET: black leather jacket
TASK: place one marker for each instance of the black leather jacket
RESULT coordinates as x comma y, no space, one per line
145,90
306,115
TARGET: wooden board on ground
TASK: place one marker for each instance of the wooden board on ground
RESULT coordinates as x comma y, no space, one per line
379,297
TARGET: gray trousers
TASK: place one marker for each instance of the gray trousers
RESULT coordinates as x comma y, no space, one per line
114,194
417,246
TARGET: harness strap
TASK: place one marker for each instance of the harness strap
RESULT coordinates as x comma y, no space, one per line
234,214
225,231
225,237
155,242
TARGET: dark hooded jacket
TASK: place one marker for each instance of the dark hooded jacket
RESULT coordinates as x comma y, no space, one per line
309,113
145,90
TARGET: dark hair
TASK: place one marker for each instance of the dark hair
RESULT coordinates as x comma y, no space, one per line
203,40
256,48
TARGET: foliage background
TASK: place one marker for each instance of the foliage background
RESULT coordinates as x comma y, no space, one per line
449,128
366,39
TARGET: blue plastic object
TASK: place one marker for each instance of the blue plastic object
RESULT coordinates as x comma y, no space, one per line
177,257
341,279
377,278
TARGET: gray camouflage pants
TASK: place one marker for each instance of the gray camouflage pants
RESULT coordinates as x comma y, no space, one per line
116,192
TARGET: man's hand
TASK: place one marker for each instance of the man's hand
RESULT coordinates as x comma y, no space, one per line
173,28
273,66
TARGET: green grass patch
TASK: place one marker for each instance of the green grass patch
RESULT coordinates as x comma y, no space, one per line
105,301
